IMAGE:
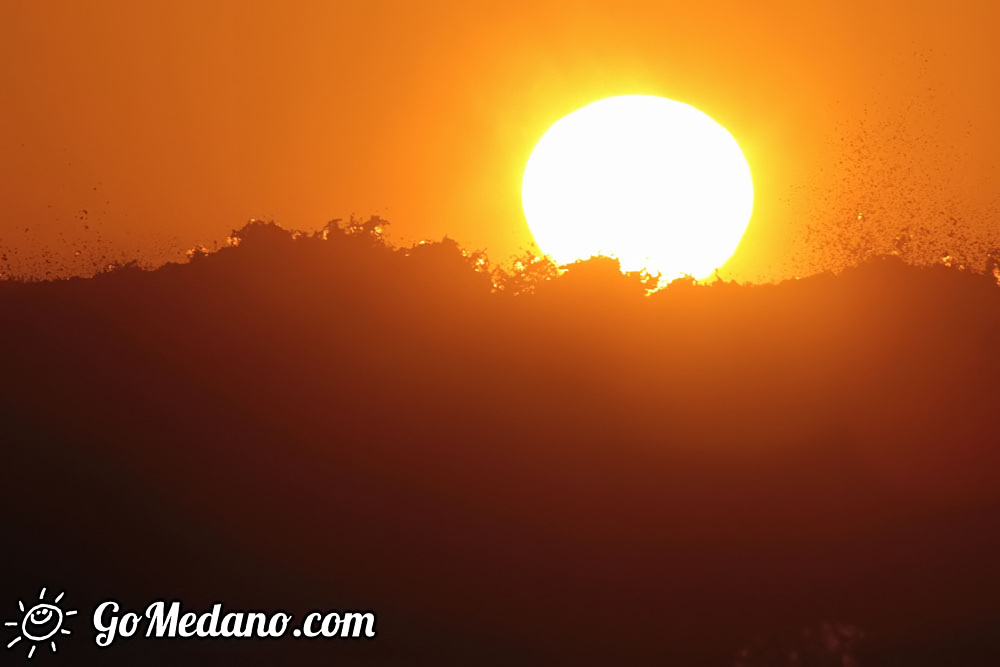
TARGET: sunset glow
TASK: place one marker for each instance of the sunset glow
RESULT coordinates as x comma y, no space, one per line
500,333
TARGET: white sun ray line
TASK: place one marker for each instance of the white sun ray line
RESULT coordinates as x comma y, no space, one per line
11,623
71,612
65,631
20,606
41,596
16,640
31,651
53,647
60,596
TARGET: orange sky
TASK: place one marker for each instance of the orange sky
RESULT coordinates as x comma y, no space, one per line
171,123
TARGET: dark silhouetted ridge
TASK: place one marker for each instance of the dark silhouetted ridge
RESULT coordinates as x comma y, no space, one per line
509,467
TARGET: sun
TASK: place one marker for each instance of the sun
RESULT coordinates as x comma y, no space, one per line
41,624
654,182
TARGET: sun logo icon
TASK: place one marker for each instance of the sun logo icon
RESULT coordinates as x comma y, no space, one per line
40,624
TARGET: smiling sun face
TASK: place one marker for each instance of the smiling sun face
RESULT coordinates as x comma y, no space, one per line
41,623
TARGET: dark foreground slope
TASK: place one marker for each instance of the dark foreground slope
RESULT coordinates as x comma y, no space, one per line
583,475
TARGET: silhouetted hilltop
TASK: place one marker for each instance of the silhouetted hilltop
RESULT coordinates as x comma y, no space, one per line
510,467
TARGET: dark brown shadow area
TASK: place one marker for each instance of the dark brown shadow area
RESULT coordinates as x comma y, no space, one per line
577,474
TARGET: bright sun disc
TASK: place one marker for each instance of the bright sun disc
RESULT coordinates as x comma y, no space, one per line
653,182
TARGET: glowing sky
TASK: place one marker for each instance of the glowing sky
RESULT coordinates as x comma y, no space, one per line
171,123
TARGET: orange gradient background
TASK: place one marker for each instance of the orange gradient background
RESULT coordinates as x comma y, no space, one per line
171,123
